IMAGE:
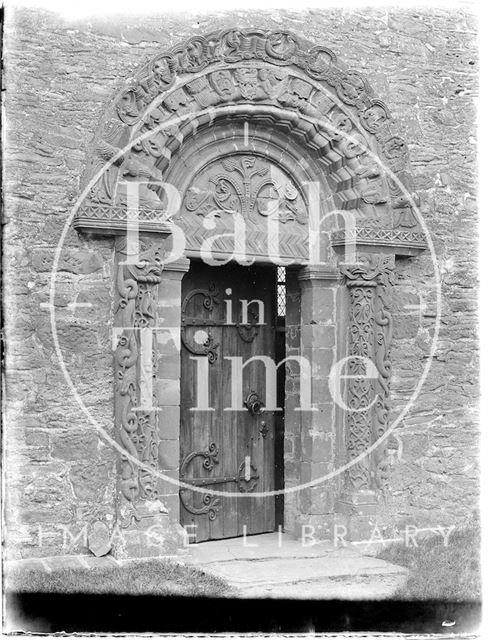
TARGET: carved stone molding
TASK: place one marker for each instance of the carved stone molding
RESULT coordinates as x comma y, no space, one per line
369,282
136,303
271,75
319,272
398,241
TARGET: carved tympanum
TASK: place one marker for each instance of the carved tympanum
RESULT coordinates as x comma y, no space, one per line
247,185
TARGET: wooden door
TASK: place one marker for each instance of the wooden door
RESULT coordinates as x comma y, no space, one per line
223,448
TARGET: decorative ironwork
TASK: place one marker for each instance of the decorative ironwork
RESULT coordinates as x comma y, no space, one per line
203,340
247,483
246,480
248,331
264,429
254,404
210,504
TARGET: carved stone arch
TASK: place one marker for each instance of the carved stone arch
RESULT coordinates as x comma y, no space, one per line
313,94
235,120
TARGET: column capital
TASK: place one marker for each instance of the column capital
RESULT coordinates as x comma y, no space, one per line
182,265
325,272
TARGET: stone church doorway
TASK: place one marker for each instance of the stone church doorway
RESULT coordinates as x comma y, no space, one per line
256,144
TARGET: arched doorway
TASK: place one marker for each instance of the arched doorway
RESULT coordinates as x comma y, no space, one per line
251,145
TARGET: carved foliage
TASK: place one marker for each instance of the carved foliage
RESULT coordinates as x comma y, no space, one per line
136,426
246,185
369,282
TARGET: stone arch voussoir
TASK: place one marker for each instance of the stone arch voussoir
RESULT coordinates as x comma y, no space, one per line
300,88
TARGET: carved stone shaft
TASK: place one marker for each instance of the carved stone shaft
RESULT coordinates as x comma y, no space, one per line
137,279
370,329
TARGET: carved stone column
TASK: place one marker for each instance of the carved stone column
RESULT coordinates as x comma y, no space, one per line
144,524
369,282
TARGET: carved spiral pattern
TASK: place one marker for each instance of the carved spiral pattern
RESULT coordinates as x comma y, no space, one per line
135,305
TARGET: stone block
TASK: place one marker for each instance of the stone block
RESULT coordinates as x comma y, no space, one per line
169,422
317,305
318,335
292,336
75,445
169,367
79,339
168,341
320,391
172,504
169,454
322,360
36,438
169,291
322,419
71,260
167,392
168,486
169,315
45,514
99,542
292,470
313,470
310,528
89,481
317,448
317,500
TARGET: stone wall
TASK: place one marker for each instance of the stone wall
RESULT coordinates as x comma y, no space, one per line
60,75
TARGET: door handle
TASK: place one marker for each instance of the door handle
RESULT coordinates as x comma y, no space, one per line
254,404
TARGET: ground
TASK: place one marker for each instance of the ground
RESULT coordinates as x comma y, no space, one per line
440,572
151,577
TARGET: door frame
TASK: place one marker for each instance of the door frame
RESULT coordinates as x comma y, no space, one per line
308,452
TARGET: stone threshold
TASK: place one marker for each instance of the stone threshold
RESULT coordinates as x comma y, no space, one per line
281,567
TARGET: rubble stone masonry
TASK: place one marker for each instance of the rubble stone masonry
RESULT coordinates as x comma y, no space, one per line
60,76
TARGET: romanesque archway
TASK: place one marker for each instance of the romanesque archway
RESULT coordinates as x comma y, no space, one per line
226,123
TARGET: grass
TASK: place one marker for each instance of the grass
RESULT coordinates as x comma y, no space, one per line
156,577
440,572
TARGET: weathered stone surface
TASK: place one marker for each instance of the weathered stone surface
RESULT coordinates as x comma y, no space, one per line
75,445
80,262
99,539
423,65
89,481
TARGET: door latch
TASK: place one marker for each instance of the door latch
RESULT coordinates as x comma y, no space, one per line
254,404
